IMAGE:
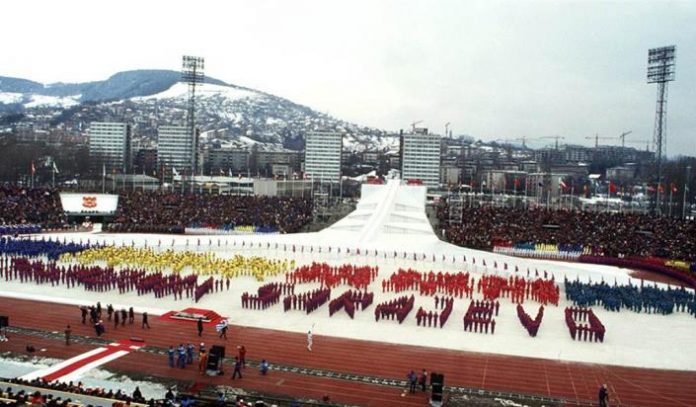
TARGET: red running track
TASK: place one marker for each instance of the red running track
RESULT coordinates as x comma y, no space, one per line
569,380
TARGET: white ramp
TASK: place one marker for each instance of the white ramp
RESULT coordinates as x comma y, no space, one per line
385,213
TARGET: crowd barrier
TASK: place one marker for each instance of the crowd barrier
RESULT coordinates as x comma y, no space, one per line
20,229
133,228
208,229
542,252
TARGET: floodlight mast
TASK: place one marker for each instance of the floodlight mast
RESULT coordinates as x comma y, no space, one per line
661,65
192,69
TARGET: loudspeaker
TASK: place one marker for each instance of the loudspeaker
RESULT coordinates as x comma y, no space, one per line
218,350
215,357
213,362
4,321
437,382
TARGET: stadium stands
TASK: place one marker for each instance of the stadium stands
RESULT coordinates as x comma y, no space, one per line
605,234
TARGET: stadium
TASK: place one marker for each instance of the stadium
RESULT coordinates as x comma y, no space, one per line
497,310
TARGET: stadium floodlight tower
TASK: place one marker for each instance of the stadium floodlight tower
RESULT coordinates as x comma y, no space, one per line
661,63
192,74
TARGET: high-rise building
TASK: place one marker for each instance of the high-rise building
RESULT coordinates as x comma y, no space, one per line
109,146
420,157
323,156
174,148
229,158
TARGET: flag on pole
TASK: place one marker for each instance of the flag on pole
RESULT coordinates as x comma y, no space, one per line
230,172
674,188
221,325
55,168
103,170
33,168
562,184
175,172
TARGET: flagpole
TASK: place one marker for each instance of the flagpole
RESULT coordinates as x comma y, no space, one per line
671,192
686,188
526,202
103,178
53,176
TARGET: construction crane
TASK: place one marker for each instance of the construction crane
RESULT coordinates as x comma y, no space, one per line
413,125
597,138
623,137
555,138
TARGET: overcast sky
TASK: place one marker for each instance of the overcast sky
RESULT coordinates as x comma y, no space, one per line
495,70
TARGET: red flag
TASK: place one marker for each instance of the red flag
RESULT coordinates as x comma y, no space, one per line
517,182
674,188
562,184
612,188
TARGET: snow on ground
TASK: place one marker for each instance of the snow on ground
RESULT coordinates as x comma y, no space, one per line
43,100
13,367
10,97
388,219
179,90
247,140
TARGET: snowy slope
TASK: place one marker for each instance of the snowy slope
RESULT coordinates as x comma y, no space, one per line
43,101
10,97
207,90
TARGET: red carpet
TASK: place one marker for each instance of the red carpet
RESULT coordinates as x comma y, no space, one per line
209,317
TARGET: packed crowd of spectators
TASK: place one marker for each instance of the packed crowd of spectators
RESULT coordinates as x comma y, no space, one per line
165,209
19,205
608,234
47,399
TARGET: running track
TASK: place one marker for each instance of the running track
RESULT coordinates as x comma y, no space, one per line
572,381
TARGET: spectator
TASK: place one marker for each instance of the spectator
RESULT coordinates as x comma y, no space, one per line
19,205
263,367
157,212
603,233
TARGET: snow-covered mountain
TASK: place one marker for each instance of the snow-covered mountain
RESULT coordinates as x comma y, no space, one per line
150,98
